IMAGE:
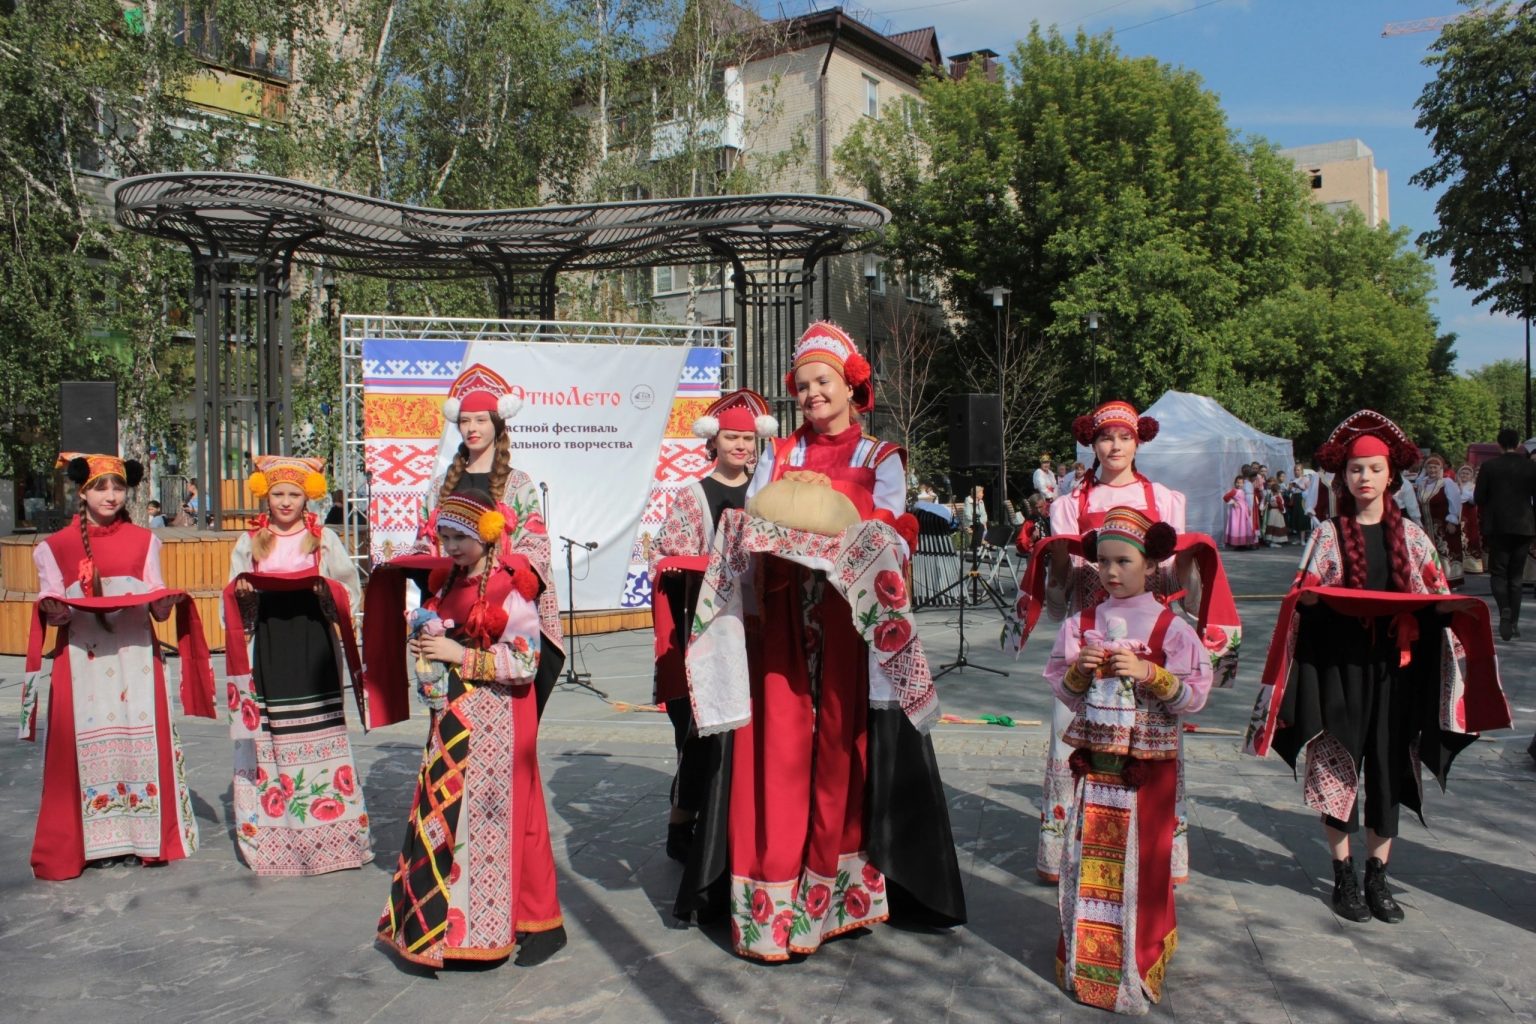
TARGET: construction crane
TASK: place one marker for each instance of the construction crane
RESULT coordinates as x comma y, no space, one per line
1404,28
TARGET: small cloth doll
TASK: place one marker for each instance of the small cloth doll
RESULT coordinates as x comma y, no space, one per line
431,676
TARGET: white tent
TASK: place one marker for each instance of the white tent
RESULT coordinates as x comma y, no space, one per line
1198,450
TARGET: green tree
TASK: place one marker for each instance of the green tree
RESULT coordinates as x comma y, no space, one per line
1504,383
1479,111
1109,191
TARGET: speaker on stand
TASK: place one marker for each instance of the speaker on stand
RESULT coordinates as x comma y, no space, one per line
975,445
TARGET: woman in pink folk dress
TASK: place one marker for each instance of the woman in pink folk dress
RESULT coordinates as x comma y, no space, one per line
298,800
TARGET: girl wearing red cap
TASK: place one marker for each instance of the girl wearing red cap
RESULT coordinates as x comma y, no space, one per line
478,406
1114,431
114,785
476,877
1126,670
298,800
1363,673
732,427
834,795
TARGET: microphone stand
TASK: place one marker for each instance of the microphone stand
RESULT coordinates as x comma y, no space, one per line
573,678
973,576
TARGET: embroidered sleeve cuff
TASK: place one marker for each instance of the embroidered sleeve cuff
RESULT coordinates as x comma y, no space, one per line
478,666
1164,685
1077,680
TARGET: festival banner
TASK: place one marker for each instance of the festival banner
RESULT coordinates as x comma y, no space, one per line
598,427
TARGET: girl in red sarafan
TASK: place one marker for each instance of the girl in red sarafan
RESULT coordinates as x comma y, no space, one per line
476,876
1128,669
114,784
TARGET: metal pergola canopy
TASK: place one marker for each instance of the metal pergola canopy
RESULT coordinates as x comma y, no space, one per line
245,232
225,216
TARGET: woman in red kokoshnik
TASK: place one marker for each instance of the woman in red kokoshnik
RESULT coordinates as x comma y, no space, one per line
114,785
478,406
298,800
732,427
835,800
1374,669
476,875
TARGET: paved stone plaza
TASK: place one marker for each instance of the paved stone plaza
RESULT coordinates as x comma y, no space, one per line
204,940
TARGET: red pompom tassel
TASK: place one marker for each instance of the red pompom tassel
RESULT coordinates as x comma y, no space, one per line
856,370
1330,457
1082,430
1146,429
485,624
526,583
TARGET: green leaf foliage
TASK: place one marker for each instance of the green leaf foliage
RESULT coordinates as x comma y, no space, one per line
1108,189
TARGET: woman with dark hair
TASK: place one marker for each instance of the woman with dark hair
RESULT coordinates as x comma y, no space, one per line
1377,682
114,785
732,427
479,404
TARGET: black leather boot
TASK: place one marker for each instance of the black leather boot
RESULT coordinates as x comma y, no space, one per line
1377,895
1348,903
533,948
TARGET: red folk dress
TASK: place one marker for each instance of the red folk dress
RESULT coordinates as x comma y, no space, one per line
476,869
800,766
114,783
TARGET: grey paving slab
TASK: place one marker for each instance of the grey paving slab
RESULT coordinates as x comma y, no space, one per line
204,940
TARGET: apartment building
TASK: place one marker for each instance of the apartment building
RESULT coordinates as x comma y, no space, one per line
789,107
1344,174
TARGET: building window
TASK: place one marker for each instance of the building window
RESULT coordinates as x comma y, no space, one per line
664,280
1317,179
922,287
871,97
877,283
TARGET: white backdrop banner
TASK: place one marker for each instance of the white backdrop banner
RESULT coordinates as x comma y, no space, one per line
591,426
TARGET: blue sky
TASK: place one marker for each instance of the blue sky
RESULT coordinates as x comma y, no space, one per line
1292,71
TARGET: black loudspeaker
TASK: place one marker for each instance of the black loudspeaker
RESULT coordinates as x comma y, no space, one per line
975,431
88,417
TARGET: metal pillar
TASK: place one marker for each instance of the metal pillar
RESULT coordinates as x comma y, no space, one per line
243,379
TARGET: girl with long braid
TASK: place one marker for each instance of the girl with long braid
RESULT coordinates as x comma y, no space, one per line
1372,670
114,786
476,875
478,406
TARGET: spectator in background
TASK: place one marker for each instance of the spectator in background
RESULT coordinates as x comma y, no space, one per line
191,503
156,520
1506,506
1045,479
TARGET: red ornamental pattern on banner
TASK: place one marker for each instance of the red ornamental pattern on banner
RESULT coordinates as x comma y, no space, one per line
681,461
399,464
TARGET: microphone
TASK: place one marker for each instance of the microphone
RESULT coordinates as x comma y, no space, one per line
543,486
590,545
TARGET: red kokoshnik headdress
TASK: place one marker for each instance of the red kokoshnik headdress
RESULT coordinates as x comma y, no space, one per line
744,410
1366,433
826,342
1086,429
480,389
